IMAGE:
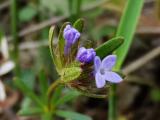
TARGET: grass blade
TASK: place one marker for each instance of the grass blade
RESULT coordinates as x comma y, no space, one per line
127,28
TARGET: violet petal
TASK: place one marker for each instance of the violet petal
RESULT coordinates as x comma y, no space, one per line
113,77
108,62
97,63
100,80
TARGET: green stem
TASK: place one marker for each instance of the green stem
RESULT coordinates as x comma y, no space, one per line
112,103
14,26
52,87
49,94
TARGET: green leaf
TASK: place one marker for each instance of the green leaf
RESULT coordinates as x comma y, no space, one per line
57,94
43,85
27,91
79,24
70,74
56,62
68,97
27,13
127,28
72,115
30,111
28,76
109,46
155,95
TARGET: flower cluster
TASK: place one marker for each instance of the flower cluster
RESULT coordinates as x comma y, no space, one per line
102,69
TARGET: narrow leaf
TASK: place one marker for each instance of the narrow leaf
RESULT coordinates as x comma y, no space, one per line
30,111
27,91
127,28
109,46
72,115
43,82
57,94
68,97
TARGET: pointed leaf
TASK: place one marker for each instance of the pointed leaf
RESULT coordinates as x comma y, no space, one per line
72,115
43,85
30,111
27,91
68,97
57,94
79,24
109,46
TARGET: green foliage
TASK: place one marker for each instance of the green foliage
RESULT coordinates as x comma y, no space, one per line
56,6
127,28
72,115
70,95
79,24
27,13
57,94
43,85
28,76
109,46
30,111
27,91
155,95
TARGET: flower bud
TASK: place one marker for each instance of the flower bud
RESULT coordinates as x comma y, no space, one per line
85,55
71,35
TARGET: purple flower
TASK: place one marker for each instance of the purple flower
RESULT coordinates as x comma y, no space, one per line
71,35
103,71
85,55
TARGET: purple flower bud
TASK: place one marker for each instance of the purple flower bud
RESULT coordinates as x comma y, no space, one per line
85,55
71,35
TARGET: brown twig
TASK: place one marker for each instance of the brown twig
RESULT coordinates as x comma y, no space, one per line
4,5
148,31
141,61
38,27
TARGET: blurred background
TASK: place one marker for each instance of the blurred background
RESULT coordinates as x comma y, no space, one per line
24,26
